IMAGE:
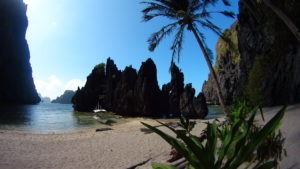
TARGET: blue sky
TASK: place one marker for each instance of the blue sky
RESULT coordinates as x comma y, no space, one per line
67,38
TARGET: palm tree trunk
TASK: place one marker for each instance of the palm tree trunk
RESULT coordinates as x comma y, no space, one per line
289,23
212,71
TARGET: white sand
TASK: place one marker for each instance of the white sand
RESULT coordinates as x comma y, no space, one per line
122,147
291,130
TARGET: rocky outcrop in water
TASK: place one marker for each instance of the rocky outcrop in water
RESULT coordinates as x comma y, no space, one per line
136,93
16,86
265,68
65,98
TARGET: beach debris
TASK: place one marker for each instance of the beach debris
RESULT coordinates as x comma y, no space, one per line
103,129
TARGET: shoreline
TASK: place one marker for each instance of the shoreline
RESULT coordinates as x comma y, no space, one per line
124,146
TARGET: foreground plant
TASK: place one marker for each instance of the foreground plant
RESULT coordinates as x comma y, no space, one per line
226,147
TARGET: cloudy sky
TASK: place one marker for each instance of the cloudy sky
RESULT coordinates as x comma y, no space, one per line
67,38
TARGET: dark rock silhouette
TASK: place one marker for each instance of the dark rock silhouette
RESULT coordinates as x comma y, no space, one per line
201,106
265,67
132,93
125,100
16,85
113,76
86,98
65,98
176,89
187,101
147,91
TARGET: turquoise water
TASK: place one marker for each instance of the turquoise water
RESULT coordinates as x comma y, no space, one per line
44,117
49,117
214,111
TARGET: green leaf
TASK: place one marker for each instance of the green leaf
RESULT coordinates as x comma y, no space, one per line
225,146
162,166
179,146
194,150
269,128
211,144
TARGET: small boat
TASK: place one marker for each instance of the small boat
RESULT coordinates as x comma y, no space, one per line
98,109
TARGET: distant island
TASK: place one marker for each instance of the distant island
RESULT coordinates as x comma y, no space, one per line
65,98
45,99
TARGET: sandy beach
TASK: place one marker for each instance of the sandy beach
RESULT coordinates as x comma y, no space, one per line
120,148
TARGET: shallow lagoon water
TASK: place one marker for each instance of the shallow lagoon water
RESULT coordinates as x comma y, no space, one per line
50,117
44,117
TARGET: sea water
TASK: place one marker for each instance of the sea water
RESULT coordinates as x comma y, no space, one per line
51,117
44,117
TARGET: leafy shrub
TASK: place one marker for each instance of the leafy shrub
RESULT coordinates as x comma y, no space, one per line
227,146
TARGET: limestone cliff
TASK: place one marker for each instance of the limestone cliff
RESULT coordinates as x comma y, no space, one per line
265,68
16,86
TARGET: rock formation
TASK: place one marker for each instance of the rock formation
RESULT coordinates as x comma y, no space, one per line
132,93
65,98
16,85
265,68
124,94
227,67
173,90
147,90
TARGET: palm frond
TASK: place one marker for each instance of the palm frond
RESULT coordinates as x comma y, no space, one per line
202,39
156,37
149,17
217,31
228,14
207,3
207,14
154,9
226,2
195,6
177,43
207,24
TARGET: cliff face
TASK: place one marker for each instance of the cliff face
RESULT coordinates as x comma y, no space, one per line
227,67
16,86
136,93
266,67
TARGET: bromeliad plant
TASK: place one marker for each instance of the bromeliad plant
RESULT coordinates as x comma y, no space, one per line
226,147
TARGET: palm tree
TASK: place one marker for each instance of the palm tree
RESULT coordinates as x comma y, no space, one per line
186,14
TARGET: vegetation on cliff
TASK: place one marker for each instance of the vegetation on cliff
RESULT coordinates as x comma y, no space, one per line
264,70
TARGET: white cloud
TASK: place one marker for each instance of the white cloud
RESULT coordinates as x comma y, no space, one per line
74,84
53,87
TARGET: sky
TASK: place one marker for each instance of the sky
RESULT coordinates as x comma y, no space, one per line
67,38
